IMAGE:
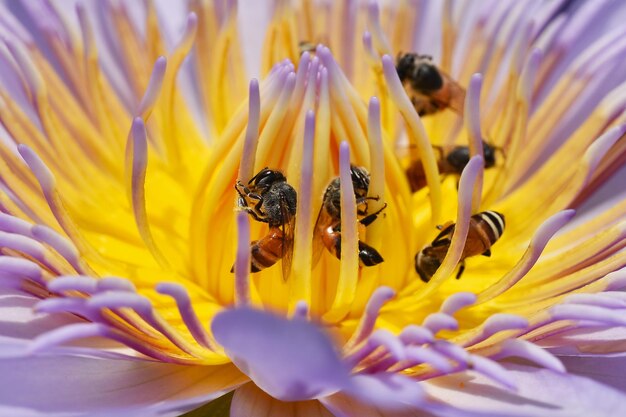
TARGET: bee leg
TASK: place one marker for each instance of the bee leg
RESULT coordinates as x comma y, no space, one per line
461,270
241,189
258,207
362,201
258,216
368,256
487,253
443,226
367,220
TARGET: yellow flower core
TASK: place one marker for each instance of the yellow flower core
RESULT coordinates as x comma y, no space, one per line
156,202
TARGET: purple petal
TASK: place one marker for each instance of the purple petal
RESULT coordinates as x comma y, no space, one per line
387,391
594,340
250,401
342,405
19,322
541,393
291,360
62,386
606,369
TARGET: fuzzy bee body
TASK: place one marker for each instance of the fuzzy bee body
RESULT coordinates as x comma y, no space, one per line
485,229
268,250
268,198
328,225
451,163
430,89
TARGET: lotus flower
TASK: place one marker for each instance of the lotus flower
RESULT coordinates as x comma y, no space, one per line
125,134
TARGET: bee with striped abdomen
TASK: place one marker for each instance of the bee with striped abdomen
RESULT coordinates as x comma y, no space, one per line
328,225
430,89
453,162
485,229
270,199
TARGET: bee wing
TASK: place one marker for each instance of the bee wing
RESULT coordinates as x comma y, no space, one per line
444,237
318,244
287,229
456,100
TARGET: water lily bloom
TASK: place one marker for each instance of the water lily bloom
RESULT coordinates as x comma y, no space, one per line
131,143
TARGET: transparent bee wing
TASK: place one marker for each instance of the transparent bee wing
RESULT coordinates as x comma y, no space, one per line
444,237
318,244
287,229
456,94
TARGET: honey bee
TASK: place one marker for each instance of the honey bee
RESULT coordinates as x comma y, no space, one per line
268,198
452,163
328,225
430,89
485,229
306,46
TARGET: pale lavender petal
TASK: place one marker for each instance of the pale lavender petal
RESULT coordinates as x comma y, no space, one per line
388,391
342,405
599,340
250,401
541,393
607,369
18,320
64,386
289,359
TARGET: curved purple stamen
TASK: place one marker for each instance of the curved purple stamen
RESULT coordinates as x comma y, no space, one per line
84,284
526,350
493,370
456,302
242,260
439,321
153,90
246,167
416,335
368,320
187,312
535,248
115,284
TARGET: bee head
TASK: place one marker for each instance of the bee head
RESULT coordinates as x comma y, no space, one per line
426,76
266,178
426,265
360,181
489,154
405,65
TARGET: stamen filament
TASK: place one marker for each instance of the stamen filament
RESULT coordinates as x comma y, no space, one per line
472,124
246,169
153,90
349,269
303,249
535,248
137,163
417,136
368,320
373,21
242,261
188,314
464,213
48,186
